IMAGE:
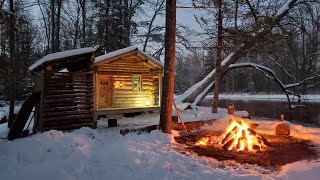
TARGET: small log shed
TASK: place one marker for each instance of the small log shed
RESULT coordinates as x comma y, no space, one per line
127,81
65,80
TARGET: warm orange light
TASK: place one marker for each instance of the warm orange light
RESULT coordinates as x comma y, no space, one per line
148,103
203,141
238,136
120,84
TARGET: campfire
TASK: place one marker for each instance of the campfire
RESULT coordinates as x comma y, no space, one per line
239,136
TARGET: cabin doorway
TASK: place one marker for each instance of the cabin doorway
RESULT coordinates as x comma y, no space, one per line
104,84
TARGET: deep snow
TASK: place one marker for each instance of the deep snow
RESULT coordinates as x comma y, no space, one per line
105,154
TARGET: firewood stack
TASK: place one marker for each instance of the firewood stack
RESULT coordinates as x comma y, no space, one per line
242,137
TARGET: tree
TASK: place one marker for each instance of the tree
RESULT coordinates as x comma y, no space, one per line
158,7
214,108
168,80
259,32
12,58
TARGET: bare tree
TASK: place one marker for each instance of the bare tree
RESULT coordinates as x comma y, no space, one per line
12,58
168,80
214,108
158,8
84,18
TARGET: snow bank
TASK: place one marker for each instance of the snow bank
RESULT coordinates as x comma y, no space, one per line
309,170
89,154
105,154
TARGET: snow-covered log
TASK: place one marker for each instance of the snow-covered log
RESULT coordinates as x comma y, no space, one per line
267,72
192,93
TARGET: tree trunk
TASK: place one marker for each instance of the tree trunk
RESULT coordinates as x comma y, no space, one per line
83,8
165,123
218,61
149,31
53,25
12,59
57,43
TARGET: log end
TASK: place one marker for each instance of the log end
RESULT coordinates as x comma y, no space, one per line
282,129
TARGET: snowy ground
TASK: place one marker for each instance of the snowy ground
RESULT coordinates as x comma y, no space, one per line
105,154
273,97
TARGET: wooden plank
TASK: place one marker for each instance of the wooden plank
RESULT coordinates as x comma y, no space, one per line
80,95
66,113
49,88
111,111
123,73
160,89
69,108
39,122
69,117
134,96
56,92
68,100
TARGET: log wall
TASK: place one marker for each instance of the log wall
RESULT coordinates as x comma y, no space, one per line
68,100
125,96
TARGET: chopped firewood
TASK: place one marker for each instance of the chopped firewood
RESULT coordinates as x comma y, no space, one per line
282,129
229,144
228,137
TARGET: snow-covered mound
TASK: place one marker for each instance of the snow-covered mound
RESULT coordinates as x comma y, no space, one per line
105,154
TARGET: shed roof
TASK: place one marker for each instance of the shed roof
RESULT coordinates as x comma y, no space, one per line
62,55
120,52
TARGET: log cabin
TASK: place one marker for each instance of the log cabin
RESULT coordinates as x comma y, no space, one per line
65,82
126,81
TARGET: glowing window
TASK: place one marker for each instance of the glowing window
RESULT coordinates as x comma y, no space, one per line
136,82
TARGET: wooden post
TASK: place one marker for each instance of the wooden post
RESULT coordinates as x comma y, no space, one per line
41,108
165,123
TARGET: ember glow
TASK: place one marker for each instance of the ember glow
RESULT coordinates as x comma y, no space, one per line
238,136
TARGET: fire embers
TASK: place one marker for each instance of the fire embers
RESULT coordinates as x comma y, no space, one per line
240,136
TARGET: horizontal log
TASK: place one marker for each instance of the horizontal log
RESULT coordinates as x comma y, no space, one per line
113,72
69,100
68,87
64,80
77,76
79,95
135,100
83,83
57,92
132,105
124,66
66,113
68,108
88,72
66,127
69,117
133,96
66,104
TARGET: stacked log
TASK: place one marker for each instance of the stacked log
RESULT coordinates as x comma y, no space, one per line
68,100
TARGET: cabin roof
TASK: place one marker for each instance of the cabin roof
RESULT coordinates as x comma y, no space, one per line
61,55
110,56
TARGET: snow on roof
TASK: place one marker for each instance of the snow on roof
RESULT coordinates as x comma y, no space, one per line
60,55
126,50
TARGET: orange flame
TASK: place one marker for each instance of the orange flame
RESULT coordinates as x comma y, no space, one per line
238,136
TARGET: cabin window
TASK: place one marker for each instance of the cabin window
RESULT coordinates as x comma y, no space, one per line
136,82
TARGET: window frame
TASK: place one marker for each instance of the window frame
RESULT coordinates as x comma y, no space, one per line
140,80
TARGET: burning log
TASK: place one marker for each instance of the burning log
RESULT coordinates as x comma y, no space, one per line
240,136
229,135
229,144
